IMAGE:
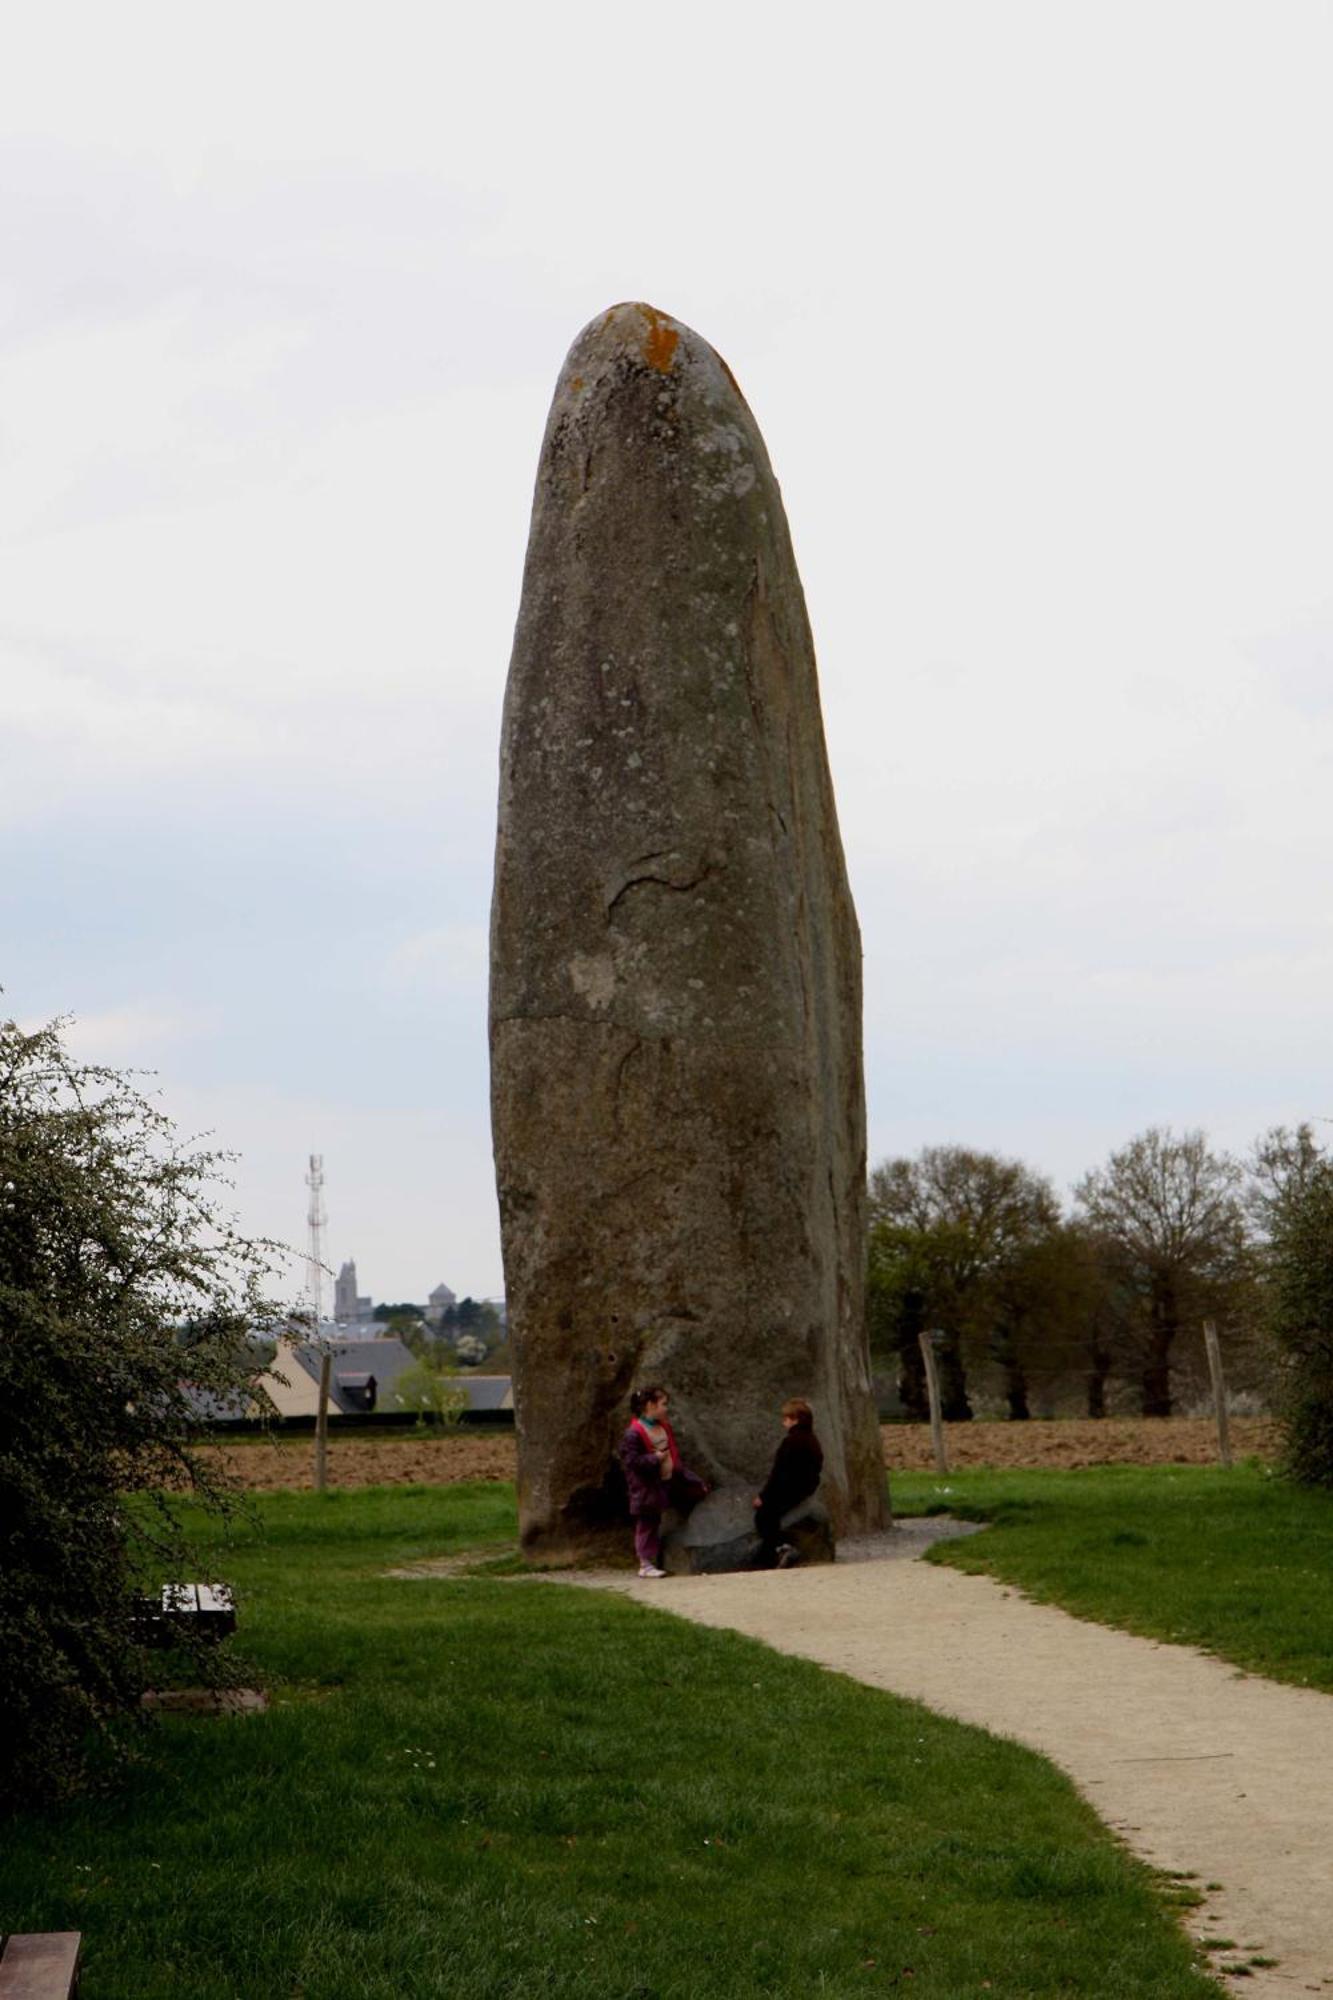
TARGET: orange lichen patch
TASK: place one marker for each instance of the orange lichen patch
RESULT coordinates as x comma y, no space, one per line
663,338
576,384
660,346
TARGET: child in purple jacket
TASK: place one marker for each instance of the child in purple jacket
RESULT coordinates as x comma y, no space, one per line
654,1474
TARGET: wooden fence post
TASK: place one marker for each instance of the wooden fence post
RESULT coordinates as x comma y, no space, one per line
322,1421
928,1341
1210,1341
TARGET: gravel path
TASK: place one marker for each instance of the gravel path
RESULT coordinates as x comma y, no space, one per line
1200,1768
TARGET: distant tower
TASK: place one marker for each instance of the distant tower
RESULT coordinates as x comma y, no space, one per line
344,1293
348,1303
438,1304
314,1263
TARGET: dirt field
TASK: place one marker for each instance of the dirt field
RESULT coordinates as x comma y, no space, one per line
268,1467
1074,1441
262,1467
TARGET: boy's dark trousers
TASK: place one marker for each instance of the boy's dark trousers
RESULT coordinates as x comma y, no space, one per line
768,1527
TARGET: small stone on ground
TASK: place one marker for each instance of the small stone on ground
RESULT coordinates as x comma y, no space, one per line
206,1701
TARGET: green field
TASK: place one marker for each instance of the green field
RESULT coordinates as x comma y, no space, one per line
492,1790
1239,1563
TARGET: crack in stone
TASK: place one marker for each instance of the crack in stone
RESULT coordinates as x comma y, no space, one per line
623,1188
634,1049
662,881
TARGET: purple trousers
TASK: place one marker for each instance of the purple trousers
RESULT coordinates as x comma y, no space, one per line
648,1538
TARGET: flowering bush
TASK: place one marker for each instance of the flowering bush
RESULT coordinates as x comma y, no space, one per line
126,1305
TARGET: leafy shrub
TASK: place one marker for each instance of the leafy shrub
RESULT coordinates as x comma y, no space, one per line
431,1388
125,1299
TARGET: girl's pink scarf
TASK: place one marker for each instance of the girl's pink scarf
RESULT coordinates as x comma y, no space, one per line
672,1446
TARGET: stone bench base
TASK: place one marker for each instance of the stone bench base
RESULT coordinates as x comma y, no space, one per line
719,1537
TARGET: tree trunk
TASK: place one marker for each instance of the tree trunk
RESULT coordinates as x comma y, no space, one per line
1004,1347
1157,1364
912,1381
911,1368
1099,1369
953,1383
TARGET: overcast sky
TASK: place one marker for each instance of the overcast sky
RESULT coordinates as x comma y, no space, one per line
1032,304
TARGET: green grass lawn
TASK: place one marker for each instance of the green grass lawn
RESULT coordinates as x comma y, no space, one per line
1239,1562
494,1790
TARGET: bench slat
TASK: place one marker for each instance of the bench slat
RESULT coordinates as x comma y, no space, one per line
43,1965
205,1608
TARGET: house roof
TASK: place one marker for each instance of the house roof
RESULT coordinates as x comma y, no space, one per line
206,1406
487,1392
354,1361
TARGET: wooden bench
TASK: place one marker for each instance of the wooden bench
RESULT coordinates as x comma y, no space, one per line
44,1965
206,1608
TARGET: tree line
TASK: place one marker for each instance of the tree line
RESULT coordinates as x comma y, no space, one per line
1038,1306
467,1333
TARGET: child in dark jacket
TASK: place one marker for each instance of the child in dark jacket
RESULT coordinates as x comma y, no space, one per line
654,1474
797,1466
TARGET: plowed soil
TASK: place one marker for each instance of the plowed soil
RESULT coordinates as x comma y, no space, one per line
264,1466
288,1465
1074,1441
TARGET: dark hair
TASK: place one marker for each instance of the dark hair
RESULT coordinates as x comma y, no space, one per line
641,1398
796,1406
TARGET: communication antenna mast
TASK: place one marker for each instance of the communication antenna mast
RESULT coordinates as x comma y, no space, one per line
314,1263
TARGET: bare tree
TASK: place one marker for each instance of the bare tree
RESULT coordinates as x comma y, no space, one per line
955,1243
1102,1312
1283,1166
1171,1217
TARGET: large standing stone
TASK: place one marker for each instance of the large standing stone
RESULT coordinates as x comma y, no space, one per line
675,962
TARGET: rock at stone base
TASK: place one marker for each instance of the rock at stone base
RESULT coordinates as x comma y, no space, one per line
810,1533
720,1558
719,1537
